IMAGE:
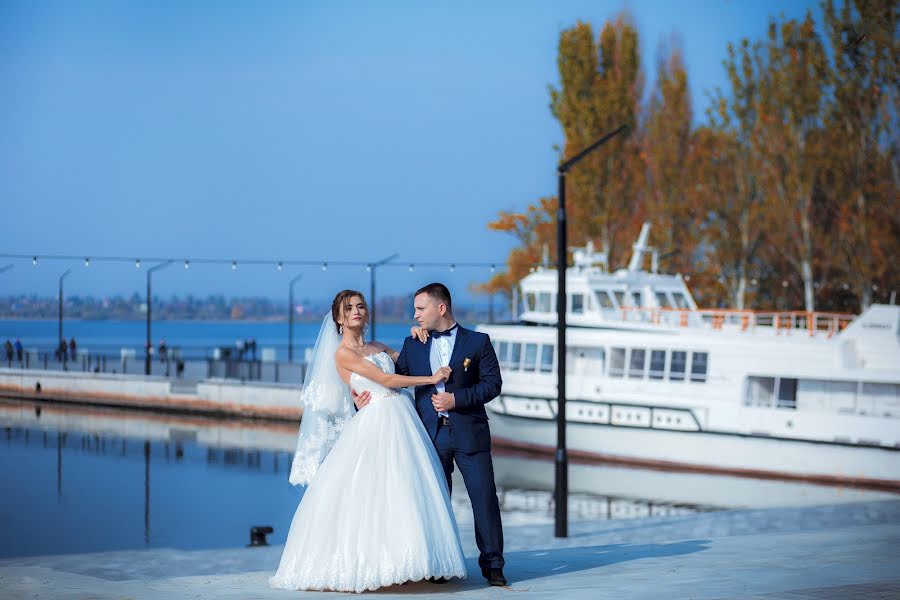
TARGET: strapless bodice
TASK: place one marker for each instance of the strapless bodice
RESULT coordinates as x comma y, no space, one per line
362,384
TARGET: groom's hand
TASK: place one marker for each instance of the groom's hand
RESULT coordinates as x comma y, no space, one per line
443,401
361,400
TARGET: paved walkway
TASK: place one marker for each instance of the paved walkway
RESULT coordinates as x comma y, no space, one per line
847,551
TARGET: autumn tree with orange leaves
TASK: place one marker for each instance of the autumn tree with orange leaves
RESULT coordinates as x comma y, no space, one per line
786,197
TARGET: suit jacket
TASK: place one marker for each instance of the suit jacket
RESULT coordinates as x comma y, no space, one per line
472,386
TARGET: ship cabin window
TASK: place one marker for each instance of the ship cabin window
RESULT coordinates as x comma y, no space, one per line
503,354
577,304
617,362
677,368
760,391
515,356
699,366
636,368
886,393
771,391
881,398
544,303
620,297
636,299
530,301
662,300
530,358
547,358
657,364
680,300
604,299
787,393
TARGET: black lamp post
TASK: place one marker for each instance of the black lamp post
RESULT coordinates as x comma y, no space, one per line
149,303
371,267
561,493
291,317
61,278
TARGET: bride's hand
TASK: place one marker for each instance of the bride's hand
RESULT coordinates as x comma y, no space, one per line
419,333
442,374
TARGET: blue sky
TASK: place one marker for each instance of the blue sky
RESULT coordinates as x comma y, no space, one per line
304,130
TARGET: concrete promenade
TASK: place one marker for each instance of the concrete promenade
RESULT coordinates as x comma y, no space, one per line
823,552
208,397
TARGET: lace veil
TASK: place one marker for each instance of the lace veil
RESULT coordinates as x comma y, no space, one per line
327,406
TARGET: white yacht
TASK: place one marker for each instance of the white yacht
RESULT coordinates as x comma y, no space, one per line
654,381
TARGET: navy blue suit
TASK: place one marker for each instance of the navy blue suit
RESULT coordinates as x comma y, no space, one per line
467,440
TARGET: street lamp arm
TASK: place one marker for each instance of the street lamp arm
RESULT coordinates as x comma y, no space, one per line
159,266
385,260
566,165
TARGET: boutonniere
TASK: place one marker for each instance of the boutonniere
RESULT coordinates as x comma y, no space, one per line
466,363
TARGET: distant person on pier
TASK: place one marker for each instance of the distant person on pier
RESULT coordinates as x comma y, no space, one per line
72,349
253,348
163,351
19,352
62,351
9,352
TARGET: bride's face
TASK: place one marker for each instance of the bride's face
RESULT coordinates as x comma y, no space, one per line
355,313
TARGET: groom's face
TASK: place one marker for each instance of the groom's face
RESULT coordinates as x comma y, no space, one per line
428,311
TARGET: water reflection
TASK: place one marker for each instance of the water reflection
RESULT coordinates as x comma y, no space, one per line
205,482
89,479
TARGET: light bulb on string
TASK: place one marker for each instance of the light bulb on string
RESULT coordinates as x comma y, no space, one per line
137,263
187,265
234,265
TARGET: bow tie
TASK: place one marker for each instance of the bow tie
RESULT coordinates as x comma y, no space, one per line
438,334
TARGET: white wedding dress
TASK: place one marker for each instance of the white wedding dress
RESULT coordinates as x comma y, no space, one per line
377,512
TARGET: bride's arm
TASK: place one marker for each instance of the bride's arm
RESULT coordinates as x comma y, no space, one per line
354,363
390,351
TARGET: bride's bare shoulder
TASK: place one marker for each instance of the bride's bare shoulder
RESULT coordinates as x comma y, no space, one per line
344,356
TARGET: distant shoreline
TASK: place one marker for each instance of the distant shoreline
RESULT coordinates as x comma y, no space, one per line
213,321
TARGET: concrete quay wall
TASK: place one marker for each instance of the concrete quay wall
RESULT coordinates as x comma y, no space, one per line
218,397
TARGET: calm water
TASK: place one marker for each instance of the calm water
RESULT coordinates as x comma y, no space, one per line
110,336
83,479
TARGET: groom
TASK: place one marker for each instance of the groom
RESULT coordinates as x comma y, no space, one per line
453,413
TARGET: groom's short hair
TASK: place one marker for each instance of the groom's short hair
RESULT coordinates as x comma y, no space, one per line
439,292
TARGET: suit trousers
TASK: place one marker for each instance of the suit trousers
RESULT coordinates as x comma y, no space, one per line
477,471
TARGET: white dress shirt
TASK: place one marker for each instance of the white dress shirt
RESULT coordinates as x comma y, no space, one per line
441,351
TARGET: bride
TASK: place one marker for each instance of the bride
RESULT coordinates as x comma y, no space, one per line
377,510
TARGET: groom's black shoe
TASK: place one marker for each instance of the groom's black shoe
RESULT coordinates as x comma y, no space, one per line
494,576
438,580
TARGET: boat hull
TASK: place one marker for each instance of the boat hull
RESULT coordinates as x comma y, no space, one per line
705,451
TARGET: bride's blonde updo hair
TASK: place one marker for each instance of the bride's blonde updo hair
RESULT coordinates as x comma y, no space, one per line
340,301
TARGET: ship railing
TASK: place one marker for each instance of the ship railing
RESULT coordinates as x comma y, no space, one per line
779,322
